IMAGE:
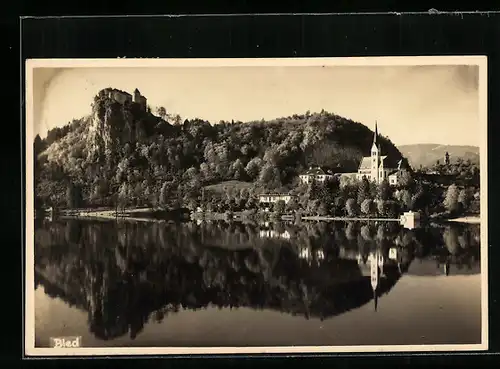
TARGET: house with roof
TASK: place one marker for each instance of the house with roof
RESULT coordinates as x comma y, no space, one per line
316,174
378,167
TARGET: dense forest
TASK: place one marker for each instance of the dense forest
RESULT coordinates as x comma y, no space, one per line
120,152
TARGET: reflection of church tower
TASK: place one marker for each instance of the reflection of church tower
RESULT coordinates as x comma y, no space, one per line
375,272
375,157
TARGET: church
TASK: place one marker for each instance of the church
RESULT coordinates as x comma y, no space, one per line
378,167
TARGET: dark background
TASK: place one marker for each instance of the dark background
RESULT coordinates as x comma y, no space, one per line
238,36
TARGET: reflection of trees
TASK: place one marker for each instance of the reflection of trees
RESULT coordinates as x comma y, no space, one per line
457,245
124,274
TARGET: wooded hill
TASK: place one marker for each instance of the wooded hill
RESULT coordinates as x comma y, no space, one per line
121,150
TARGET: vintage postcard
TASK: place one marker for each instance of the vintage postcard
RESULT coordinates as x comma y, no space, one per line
239,206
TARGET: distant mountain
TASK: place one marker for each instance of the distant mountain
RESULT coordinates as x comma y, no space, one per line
428,154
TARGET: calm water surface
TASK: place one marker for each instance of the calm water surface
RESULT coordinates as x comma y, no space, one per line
220,284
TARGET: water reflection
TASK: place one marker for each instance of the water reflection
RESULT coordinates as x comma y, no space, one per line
127,274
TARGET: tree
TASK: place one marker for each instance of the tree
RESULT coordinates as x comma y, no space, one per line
322,209
190,200
313,190
279,206
312,206
123,195
373,191
363,190
164,194
451,198
251,203
162,112
332,185
38,147
392,209
205,172
244,193
367,206
464,199
406,198
381,208
351,207
292,205
270,176
237,169
384,190
177,119
73,196
338,204
419,198
253,168
406,179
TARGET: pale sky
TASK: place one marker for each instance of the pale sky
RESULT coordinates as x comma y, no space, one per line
425,104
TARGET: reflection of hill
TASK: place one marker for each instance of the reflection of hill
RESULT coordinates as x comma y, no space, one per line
124,276
52,289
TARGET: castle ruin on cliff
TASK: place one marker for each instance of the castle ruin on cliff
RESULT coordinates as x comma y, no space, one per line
124,97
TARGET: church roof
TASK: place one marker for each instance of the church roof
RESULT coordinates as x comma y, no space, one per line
389,163
366,163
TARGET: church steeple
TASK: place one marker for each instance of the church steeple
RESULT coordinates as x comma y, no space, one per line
376,142
375,173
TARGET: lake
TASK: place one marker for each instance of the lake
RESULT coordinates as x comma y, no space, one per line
165,284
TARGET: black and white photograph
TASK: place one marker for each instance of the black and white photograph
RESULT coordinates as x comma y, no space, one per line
293,205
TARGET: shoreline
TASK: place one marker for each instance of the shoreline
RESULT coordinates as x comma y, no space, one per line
129,214
102,217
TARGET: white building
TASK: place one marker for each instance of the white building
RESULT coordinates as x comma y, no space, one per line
315,174
410,219
271,198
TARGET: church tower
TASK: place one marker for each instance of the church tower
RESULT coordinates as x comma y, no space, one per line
375,157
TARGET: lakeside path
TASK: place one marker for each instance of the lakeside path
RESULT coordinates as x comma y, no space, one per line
470,220
111,214
112,217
